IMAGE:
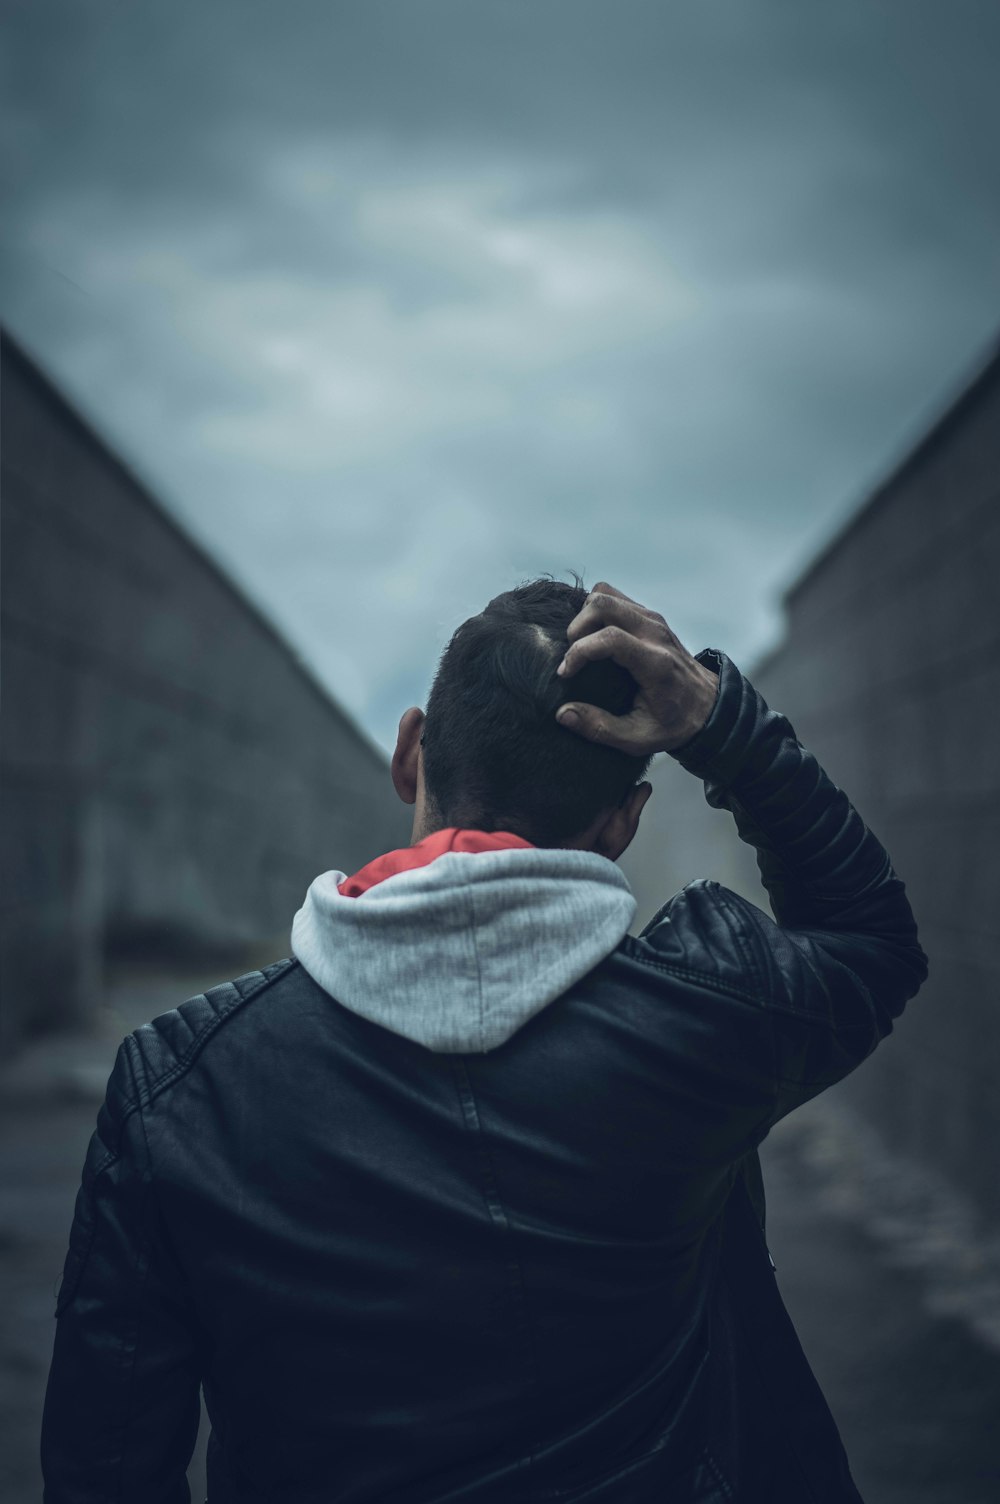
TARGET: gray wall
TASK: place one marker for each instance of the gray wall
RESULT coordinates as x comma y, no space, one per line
890,673
171,776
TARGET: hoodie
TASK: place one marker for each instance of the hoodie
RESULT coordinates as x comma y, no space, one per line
467,937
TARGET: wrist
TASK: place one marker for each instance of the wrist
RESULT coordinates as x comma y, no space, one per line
704,700
698,753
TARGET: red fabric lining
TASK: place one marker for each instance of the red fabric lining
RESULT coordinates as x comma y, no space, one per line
452,838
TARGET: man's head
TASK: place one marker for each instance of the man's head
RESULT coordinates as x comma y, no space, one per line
490,755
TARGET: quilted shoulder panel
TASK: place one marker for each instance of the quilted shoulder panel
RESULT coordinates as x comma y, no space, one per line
164,1048
701,934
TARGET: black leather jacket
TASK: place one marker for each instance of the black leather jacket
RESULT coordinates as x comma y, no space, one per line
533,1274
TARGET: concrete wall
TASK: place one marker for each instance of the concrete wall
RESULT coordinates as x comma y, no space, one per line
171,776
890,673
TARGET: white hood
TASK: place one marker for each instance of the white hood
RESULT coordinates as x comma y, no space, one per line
458,954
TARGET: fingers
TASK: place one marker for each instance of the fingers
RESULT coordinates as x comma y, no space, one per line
609,642
601,587
670,693
606,606
595,725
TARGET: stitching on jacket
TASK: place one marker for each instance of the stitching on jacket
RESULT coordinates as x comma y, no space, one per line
743,940
130,1344
774,1005
143,1096
204,1034
706,978
498,1217
647,928
718,1475
76,1260
112,1154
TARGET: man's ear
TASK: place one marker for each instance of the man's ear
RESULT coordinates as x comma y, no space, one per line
406,757
621,825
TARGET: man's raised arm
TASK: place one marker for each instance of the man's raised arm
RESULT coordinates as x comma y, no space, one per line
843,958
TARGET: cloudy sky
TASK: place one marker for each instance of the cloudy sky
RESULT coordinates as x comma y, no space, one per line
396,302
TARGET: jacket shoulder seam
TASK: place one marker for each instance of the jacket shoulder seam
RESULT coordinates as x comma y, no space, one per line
744,945
743,940
196,1045
118,1117
688,974
775,1005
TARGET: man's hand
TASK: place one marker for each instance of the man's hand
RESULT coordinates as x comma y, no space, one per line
676,693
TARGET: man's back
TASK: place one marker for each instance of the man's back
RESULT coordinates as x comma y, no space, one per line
403,1260
437,1269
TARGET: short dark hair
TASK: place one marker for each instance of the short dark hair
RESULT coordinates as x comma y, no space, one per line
495,757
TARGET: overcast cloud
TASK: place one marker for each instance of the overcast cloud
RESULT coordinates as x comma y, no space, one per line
396,303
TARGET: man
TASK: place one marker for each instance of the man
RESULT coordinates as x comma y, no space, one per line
462,1202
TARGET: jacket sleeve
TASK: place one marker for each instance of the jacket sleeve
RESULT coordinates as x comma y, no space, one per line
122,1405
842,959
